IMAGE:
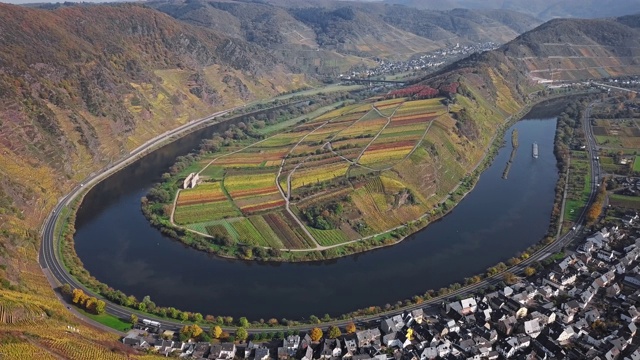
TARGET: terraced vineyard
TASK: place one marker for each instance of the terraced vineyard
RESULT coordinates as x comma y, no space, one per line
348,174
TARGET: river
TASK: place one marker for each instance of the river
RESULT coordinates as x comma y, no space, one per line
495,221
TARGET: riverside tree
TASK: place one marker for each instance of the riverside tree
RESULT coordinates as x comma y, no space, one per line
316,334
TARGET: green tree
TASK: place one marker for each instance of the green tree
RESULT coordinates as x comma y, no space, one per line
243,322
241,334
334,332
66,290
197,317
228,320
184,316
314,319
133,319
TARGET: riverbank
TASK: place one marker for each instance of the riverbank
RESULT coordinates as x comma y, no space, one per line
142,288
160,210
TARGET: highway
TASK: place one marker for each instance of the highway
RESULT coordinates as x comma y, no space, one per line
50,260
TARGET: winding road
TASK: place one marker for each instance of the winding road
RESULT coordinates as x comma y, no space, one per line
57,274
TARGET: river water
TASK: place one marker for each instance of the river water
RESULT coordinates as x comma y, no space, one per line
495,221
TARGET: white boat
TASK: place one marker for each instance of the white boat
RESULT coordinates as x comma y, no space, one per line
535,150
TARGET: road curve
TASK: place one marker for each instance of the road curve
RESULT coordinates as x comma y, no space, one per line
51,262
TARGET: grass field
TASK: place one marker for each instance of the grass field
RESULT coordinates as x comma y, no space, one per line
630,202
636,164
579,188
111,321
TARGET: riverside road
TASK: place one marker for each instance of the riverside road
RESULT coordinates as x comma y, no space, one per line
51,262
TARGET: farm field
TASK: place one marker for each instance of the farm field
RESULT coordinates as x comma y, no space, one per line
354,171
617,133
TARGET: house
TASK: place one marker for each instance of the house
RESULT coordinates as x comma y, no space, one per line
631,315
417,315
429,353
561,334
632,281
262,353
283,354
629,219
291,344
613,290
507,325
350,346
532,328
368,337
308,354
469,306
330,348
592,315
391,340
392,325
604,255
202,350
135,338
228,351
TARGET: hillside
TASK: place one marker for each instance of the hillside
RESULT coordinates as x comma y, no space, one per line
541,9
343,34
579,49
79,87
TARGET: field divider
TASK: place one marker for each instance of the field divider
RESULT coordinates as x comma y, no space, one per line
286,197
357,160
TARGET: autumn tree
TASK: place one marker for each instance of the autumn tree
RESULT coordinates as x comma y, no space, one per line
77,295
216,331
190,331
334,332
351,328
241,334
316,334
272,322
100,307
509,278
133,319
529,271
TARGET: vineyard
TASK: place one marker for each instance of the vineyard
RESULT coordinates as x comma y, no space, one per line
349,173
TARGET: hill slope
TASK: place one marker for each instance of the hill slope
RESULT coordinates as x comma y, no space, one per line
579,49
79,87
290,29
542,9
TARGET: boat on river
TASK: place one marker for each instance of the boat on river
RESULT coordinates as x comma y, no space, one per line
535,150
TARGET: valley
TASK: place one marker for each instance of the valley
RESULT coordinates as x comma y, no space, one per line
84,86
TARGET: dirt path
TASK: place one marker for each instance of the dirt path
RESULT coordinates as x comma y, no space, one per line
287,196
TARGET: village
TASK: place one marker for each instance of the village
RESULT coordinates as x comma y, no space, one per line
579,305
430,60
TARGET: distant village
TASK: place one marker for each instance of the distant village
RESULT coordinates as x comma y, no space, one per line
580,306
430,60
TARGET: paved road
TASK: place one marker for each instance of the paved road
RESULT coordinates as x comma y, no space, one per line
51,262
